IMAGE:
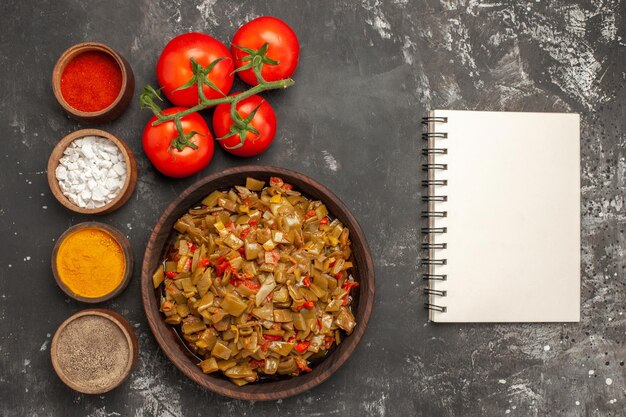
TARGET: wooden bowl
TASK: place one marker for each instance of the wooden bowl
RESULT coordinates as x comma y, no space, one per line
171,343
124,327
127,188
124,244
115,109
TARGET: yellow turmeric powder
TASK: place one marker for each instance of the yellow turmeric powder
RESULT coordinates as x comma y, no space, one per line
91,263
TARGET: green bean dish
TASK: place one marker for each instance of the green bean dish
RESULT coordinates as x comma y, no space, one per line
257,281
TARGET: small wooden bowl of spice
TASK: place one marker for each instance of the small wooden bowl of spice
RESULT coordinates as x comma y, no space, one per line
91,171
92,262
93,83
94,351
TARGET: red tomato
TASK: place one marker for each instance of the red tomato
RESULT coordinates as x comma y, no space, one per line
174,68
264,121
283,47
158,146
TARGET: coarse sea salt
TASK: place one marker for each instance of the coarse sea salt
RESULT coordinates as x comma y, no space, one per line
91,172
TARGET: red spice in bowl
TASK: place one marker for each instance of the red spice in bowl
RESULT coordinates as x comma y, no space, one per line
91,81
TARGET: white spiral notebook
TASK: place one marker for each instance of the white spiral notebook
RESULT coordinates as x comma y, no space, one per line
503,210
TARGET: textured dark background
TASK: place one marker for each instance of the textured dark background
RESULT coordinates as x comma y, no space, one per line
368,70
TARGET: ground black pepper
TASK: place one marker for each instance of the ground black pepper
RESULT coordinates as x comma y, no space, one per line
93,352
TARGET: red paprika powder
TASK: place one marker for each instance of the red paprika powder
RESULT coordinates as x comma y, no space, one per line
91,81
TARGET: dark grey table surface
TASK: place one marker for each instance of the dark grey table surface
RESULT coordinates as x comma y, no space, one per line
368,71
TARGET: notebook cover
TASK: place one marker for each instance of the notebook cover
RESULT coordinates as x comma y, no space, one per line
512,217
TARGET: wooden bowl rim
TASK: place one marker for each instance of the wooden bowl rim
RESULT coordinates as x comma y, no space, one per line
222,387
69,54
129,160
126,249
122,324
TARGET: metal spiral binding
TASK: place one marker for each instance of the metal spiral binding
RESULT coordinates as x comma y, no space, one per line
427,198
434,151
434,214
428,261
435,307
435,277
427,167
435,135
435,292
428,230
426,120
431,151
434,245
427,183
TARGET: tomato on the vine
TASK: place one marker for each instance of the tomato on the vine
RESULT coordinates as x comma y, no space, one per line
244,141
175,156
175,70
279,60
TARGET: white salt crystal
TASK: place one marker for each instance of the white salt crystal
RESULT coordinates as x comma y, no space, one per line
88,151
119,168
97,195
111,148
61,173
91,171
111,183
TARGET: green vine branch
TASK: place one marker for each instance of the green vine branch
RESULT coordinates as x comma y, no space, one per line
254,60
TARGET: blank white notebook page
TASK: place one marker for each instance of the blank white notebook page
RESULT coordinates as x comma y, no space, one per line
513,217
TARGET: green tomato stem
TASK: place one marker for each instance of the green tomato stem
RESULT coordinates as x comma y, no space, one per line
233,100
